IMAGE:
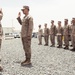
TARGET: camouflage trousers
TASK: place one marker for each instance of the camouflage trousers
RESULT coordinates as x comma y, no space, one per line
66,40
59,40
27,47
0,43
0,49
52,39
46,38
73,40
40,39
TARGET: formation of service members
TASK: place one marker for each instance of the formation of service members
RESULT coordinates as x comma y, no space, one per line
66,33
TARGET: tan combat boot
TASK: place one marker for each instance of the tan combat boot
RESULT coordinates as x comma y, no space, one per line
28,62
1,69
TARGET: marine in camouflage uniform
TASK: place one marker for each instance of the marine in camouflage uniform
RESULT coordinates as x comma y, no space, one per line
52,33
26,33
46,35
40,33
66,34
73,34
59,34
1,34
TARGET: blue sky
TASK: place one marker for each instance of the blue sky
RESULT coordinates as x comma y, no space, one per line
41,10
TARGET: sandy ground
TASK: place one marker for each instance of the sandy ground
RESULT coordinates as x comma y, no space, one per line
45,60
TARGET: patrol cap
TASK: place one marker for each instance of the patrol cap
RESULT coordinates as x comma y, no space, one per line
45,24
66,19
25,7
52,20
73,18
39,25
0,10
59,21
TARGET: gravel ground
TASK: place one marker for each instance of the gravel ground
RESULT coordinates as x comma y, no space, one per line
45,60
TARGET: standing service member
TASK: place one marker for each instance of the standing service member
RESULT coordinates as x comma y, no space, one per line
26,33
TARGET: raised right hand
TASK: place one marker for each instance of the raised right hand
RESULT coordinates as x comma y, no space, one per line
19,14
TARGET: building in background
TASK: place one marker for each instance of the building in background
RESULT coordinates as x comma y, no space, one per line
10,32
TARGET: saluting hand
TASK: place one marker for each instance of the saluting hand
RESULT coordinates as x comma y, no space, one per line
0,9
19,14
